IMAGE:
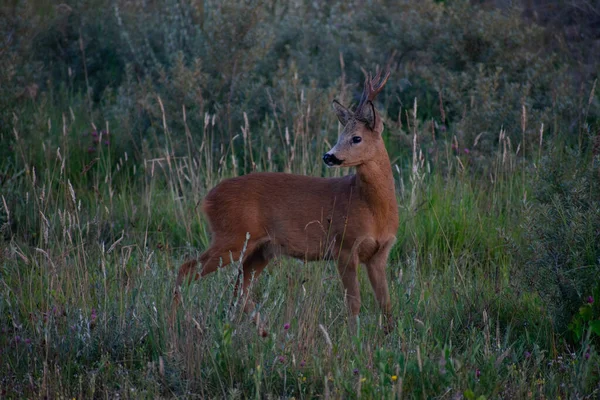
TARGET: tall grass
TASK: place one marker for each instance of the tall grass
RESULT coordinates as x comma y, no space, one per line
117,120
88,279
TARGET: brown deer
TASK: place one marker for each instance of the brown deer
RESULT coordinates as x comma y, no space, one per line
352,219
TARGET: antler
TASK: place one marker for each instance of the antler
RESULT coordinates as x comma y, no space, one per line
372,88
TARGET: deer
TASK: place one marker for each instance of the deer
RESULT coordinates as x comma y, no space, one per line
351,219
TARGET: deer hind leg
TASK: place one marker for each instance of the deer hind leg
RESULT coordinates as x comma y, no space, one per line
213,258
348,268
252,267
377,276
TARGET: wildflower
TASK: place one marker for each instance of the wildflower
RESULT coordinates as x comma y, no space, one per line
286,326
477,373
540,381
91,149
94,315
527,354
106,142
467,151
394,378
590,299
587,355
17,339
355,372
302,363
27,341
281,359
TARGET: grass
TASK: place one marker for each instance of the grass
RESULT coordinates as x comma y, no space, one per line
116,120
94,241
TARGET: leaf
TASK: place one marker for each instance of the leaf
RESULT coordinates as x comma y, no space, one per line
586,312
595,327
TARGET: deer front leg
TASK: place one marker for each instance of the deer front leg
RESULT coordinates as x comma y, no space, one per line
347,267
376,271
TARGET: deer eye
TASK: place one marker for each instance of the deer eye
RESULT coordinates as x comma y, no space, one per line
356,139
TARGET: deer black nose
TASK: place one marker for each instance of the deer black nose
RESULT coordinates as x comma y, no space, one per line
331,160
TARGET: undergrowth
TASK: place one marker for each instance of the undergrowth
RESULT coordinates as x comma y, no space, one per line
117,120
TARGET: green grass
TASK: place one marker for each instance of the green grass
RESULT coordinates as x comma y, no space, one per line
491,126
88,273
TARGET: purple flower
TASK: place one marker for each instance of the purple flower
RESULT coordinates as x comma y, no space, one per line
587,355
91,149
27,341
107,142
94,315
286,326
281,359
302,363
17,339
467,151
527,354
477,373
355,372
590,299
94,133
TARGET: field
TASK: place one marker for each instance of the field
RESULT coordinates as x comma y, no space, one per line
116,118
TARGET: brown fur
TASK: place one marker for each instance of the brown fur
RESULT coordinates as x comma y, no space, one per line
352,219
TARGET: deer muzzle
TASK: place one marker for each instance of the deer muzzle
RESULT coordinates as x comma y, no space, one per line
331,160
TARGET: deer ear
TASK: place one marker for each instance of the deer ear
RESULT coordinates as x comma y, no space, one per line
369,115
342,112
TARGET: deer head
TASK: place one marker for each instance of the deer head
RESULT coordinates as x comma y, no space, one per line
360,139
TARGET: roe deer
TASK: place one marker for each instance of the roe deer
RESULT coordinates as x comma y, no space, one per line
352,219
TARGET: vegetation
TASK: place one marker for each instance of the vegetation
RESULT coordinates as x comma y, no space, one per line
117,117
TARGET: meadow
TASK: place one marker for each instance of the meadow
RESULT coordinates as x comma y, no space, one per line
116,118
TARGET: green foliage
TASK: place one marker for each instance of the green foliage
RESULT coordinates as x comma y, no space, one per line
116,117
562,260
473,70
588,318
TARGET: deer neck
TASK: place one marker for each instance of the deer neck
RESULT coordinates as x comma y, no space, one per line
375,185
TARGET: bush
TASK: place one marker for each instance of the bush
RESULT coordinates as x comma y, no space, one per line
474,71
